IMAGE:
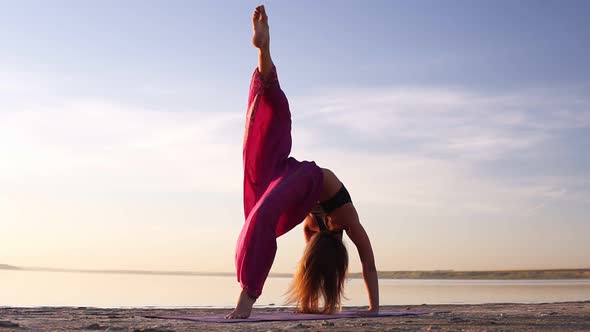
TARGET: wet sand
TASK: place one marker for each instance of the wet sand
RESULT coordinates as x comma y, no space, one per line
568,316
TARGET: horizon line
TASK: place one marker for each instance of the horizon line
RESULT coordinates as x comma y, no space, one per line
274,274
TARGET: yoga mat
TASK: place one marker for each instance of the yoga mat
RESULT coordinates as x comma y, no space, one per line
288,316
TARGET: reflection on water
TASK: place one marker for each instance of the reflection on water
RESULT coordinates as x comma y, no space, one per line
32,288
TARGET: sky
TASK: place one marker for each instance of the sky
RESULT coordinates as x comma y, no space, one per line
460,128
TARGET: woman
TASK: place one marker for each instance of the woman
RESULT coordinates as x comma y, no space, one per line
280,192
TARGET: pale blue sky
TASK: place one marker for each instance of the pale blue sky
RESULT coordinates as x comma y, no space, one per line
460,127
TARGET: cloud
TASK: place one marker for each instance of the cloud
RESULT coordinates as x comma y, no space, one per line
454,123
423,148
20,81
410,156
69,139
446,133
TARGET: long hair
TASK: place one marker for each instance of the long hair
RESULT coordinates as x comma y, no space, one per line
320,275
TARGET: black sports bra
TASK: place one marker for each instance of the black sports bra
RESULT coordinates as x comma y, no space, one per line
324,208
340,198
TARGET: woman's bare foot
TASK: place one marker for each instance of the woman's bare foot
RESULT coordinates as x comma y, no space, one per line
261,38
244,307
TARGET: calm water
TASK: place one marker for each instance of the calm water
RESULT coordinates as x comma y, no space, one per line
31,288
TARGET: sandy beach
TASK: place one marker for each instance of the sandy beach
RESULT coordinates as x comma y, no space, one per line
567,316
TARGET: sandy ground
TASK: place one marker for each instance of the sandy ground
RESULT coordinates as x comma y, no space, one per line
569,316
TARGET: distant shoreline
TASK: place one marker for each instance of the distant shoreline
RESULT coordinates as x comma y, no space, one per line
490,275
547,274
8,267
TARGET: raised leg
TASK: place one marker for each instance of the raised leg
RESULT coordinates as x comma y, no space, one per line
252,186
267,137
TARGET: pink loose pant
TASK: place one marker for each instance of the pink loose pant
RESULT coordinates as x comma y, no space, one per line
279,191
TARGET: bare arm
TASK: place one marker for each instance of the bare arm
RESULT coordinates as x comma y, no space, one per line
348,219
359,237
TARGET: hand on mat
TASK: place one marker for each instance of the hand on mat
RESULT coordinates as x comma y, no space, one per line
369,312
